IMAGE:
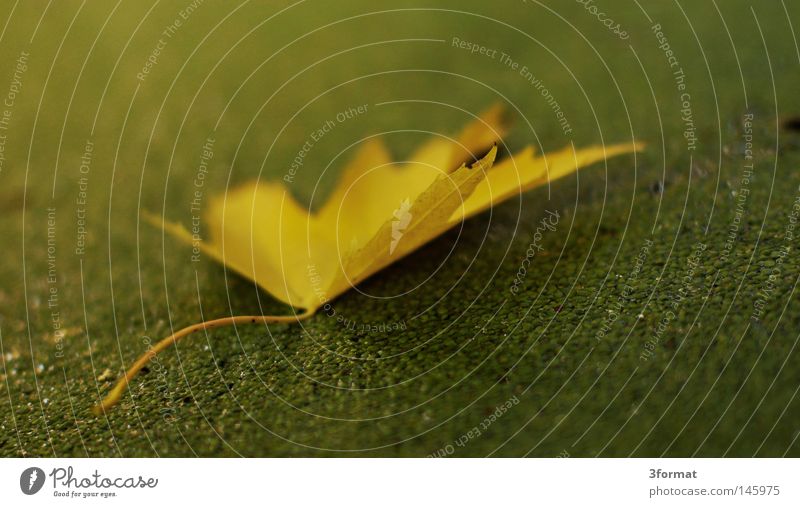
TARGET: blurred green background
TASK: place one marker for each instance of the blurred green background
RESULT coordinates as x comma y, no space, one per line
258,78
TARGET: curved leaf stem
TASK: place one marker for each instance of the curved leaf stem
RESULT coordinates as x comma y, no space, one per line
115,395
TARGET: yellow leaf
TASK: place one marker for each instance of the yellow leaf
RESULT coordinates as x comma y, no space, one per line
380,211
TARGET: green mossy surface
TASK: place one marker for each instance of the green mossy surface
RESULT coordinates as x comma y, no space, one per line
718,381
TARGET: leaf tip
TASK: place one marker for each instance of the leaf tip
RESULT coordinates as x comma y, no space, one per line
487,160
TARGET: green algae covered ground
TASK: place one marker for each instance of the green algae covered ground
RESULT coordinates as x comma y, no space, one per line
657,314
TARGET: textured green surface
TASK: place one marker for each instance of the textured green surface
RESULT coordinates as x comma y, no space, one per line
718,382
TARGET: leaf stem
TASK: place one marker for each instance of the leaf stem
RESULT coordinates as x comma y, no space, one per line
115,395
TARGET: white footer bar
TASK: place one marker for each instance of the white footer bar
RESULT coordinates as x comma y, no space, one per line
405,482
